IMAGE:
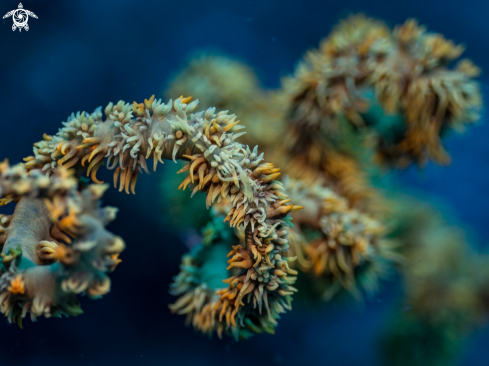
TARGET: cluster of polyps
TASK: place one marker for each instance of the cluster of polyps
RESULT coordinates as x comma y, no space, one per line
229,171
218,165
363,64
54,246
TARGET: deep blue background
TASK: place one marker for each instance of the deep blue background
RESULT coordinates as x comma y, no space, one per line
82,54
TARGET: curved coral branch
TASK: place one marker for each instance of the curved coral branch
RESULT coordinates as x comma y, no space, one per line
254,300
218,166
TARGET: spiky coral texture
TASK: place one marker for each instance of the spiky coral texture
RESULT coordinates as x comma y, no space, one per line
328,135
218,166
53,222
371,91
211,307
230,84
407,69
413,79
344,248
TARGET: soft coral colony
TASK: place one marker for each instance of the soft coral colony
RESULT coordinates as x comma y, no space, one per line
69,228
369,100
330,119
363,64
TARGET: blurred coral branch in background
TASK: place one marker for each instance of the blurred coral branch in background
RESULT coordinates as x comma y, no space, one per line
368,101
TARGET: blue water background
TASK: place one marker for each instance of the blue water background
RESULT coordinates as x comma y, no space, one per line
81,54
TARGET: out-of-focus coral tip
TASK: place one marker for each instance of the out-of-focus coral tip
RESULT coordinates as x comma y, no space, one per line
270,177
296,208
98,190
138,108
279,211
47,137
148,102
4,165
468,68
64,254
116,259
191,157
17,285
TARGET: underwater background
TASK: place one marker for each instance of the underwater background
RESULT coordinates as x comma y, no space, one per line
82,54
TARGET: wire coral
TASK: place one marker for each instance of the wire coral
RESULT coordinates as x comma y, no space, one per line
413,79
209,306
217,165
443,286
55,245
307,155
367,100
323,104
327,117
344,248
228,84
323,91
362,64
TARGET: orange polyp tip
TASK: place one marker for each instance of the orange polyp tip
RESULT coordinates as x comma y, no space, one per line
229,126
116,258
16,285
150,100
185,100
94,175
296,208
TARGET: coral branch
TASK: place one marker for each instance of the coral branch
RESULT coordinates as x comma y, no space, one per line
257,294
363,63
53,222
343,247
218,166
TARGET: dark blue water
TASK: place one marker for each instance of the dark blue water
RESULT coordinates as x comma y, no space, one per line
82,54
